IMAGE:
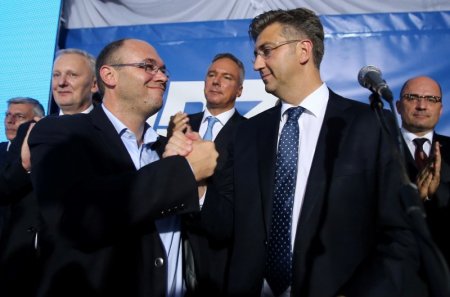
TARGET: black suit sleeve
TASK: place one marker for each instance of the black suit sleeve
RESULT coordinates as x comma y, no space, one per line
14,179
91,197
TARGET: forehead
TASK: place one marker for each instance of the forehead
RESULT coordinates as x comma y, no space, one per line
270,34
71,61
422,87
225,65
20,107
134,51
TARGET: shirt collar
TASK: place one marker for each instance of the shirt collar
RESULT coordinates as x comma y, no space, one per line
409,136
150,135
87,110
314,104
222,117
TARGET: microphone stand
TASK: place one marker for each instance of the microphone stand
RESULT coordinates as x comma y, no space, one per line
435,266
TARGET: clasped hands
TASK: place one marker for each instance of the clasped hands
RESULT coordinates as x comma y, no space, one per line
429,177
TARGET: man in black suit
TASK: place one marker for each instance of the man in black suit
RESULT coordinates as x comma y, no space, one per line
109,199
312,205
73,82
20,110
223,84
427,153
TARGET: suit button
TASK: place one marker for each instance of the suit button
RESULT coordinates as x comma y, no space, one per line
159,262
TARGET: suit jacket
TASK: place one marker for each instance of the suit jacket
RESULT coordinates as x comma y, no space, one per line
438,207
19,261
99,236
353,237
211,256
3,151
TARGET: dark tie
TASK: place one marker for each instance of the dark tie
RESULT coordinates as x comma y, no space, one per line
279,254
419,155
208,133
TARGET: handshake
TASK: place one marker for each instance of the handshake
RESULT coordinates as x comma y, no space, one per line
201,155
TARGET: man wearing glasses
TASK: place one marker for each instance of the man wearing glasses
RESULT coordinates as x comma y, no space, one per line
112,223
427,153
312,204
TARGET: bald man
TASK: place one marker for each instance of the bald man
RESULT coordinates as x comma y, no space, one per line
427,153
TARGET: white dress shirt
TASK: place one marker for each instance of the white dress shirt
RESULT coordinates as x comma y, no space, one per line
409,137
310,124
223,119
168,228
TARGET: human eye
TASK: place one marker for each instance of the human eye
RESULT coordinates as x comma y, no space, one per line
432,99
266,51
148,67
56,74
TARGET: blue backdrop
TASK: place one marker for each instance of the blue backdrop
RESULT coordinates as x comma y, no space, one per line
402,45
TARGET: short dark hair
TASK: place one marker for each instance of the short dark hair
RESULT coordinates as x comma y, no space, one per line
107,57
235,60
38,109
298,22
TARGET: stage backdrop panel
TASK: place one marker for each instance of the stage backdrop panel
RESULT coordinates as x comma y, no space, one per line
402,45
28,34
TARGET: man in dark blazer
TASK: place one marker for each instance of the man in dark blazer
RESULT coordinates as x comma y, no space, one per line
420,107
223,84
348,233
108,198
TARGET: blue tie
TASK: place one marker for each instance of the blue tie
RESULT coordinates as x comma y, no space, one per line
279,254
208,134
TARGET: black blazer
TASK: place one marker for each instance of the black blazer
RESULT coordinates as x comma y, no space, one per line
211,256
353,237
100,238
19,262
3,151
438,207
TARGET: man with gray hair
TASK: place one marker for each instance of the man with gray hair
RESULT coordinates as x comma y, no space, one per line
20,110
73,81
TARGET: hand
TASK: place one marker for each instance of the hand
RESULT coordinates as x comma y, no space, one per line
178,122
429,178
25,154
203,159
180,144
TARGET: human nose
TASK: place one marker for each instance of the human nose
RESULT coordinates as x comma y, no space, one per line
258,63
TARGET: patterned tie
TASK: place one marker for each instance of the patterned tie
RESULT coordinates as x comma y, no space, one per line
208,133
279,254
419,155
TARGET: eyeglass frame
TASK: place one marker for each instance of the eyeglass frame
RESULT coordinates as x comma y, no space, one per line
265,47
150,68
416,98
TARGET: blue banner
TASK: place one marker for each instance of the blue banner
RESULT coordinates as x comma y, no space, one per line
402,45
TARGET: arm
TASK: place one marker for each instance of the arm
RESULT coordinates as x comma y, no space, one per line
91,198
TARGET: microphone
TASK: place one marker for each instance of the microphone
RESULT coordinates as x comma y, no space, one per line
370,77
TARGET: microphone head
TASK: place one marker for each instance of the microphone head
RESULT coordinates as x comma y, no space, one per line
364,71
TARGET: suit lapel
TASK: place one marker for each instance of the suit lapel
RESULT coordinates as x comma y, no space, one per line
195,121
267,138
332,132
110,138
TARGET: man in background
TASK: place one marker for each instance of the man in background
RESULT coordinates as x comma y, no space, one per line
20,110
218,122
427,153
73,81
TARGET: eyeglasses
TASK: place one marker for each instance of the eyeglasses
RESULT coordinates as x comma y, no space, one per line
148,67
417,98
266,51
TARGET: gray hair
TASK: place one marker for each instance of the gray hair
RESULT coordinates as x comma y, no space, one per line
38,109
90,58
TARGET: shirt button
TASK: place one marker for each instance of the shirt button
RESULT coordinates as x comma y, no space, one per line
159,262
